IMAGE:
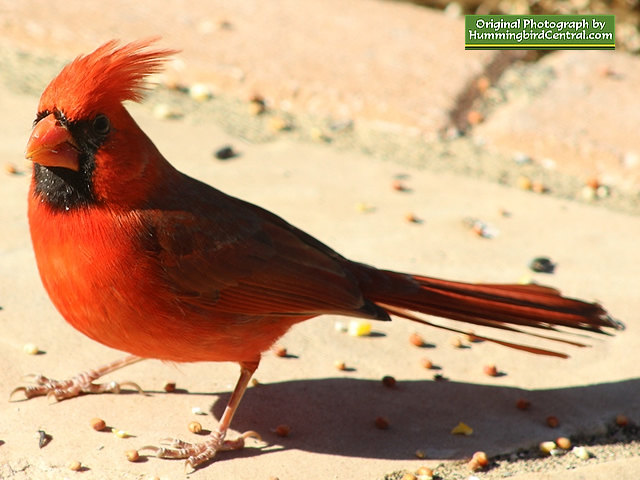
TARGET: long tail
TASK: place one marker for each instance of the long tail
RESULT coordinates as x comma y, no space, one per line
500,306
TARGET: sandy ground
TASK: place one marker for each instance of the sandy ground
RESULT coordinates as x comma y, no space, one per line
320,187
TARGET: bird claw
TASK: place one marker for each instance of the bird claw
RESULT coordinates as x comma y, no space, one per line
198,453
60,390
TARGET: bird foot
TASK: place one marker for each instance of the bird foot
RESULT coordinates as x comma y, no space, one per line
63,389
198,453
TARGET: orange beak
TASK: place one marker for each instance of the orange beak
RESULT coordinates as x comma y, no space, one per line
52,145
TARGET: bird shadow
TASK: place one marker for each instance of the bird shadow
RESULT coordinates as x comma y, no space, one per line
336,416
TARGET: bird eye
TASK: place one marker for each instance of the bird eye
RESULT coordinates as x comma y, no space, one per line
101,125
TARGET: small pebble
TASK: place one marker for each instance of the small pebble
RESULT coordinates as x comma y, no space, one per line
98,424
195,427
132,455
359,328
416,340
553,421
170,387
388,381
542,265
75,466
43,438
381,423
30,349
462,429
225,153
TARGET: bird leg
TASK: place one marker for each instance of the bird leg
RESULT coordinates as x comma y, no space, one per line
81,383
199,453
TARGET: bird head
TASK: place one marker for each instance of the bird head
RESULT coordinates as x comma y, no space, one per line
85,146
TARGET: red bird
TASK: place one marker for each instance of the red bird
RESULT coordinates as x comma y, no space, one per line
142,258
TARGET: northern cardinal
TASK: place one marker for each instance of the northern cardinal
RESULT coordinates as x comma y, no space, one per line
145,259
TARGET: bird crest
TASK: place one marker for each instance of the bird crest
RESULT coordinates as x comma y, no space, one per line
108,76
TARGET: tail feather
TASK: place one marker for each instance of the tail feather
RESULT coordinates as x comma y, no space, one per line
501,306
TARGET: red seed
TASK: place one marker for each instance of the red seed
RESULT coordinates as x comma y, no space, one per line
426,363
553,421
170,387
381,423
622,420
388,381
523,404
282,430
416,339
490,370
280,351
481,458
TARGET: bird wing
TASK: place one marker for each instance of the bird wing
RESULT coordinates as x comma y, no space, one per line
224,254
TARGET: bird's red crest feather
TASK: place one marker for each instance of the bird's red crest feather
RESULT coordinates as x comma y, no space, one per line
107,76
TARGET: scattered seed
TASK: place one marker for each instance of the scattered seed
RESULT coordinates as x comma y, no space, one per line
398,186
195,427
420,454
547,447
416,339
563,442
170,387
363,207
165,112
426,363
473,465
340,326
474,117
198,411
132,455
340,365
523,183
622,420
408,476
280,351
588,193
557,452
255,382
120,433
381,423
30,349
388,381
490,370
75,466
462,429
278,124
10,168
225,153
456,342
359,328
481,458
542,265
582,453
539,187
521,159
472,338
438,377
98,424
411,218
523,404
257,105
592,182
483,83
424,473
553,421
200,92
282,430
603,191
